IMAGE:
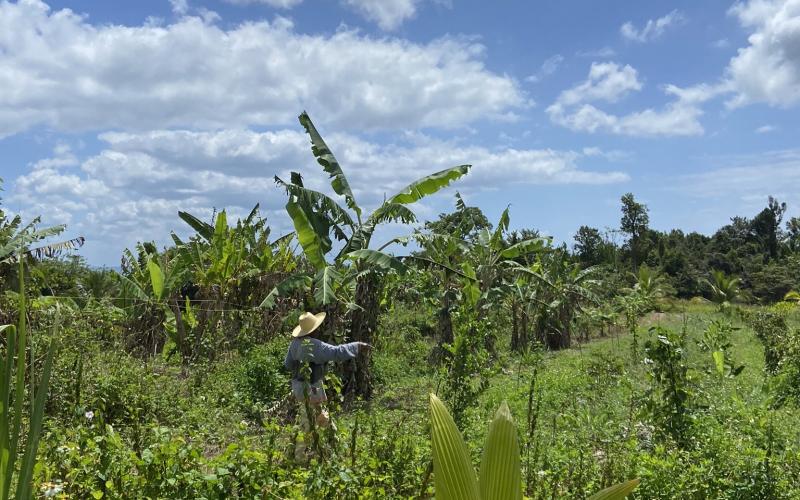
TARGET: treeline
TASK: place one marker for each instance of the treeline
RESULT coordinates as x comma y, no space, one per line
762,251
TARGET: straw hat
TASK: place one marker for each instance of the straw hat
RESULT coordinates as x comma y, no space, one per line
308,323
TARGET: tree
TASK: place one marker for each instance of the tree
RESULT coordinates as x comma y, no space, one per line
464,223
634,223
793,234
588,246
563,291
767,226
318,218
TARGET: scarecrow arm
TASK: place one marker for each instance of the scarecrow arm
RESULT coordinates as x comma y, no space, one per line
327,352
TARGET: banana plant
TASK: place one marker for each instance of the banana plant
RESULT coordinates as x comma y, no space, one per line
318,218
500,472
563,290
15,240
12,389
349,276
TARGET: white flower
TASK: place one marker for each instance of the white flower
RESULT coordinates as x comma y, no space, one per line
89,415
52,489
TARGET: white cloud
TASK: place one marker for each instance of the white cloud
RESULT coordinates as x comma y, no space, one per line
748,179
609,82
388,14
549,66
653,29
768,69
606,82
179,7
278,4
602,53
132,189
765,129
57,70
722,43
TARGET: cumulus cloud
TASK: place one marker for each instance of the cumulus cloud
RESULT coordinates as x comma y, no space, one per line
58,70
388,14
610,82
768,68
132,189
653,29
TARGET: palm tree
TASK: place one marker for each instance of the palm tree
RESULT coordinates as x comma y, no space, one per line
724,288
649,285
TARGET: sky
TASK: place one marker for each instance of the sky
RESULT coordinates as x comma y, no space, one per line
115,115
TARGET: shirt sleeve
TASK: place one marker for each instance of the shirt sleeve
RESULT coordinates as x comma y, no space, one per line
287,363
327,352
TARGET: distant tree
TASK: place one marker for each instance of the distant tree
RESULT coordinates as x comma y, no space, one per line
767,226
793,234
634,223
588,245
465,222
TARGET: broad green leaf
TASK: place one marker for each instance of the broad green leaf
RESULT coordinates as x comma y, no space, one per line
502,226
470,285
55,249
500,468
719,361
616,492
24,237
285,287
329,164
307,196
429,185
221,226
156,278
204,229
309,239
35,429
524,247
453,475
327,280
378,259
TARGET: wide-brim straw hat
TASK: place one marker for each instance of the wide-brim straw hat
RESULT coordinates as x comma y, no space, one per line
308,323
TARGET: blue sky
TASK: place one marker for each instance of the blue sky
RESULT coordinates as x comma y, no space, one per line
114,115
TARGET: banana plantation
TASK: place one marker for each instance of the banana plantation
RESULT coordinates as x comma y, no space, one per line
471,360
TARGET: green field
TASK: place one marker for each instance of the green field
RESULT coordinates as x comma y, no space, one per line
162,433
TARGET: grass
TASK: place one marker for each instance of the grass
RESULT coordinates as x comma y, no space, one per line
591,429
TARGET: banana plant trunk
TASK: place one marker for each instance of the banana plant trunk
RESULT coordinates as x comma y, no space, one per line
357,380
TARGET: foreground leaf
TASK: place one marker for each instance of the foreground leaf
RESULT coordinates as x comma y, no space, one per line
616,492
500,477
454,477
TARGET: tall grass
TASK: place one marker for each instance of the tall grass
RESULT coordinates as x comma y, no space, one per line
18,452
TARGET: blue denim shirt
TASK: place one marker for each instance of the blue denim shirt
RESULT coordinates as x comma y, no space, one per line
318,354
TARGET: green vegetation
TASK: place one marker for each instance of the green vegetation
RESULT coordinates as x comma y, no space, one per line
670,359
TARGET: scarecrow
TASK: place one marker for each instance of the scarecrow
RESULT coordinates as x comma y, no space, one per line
307,360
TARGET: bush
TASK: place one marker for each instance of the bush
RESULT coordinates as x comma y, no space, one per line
261,379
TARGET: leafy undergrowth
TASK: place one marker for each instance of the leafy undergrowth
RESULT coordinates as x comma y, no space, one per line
126,428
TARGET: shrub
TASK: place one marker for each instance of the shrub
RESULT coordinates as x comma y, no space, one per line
669,397
260,379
